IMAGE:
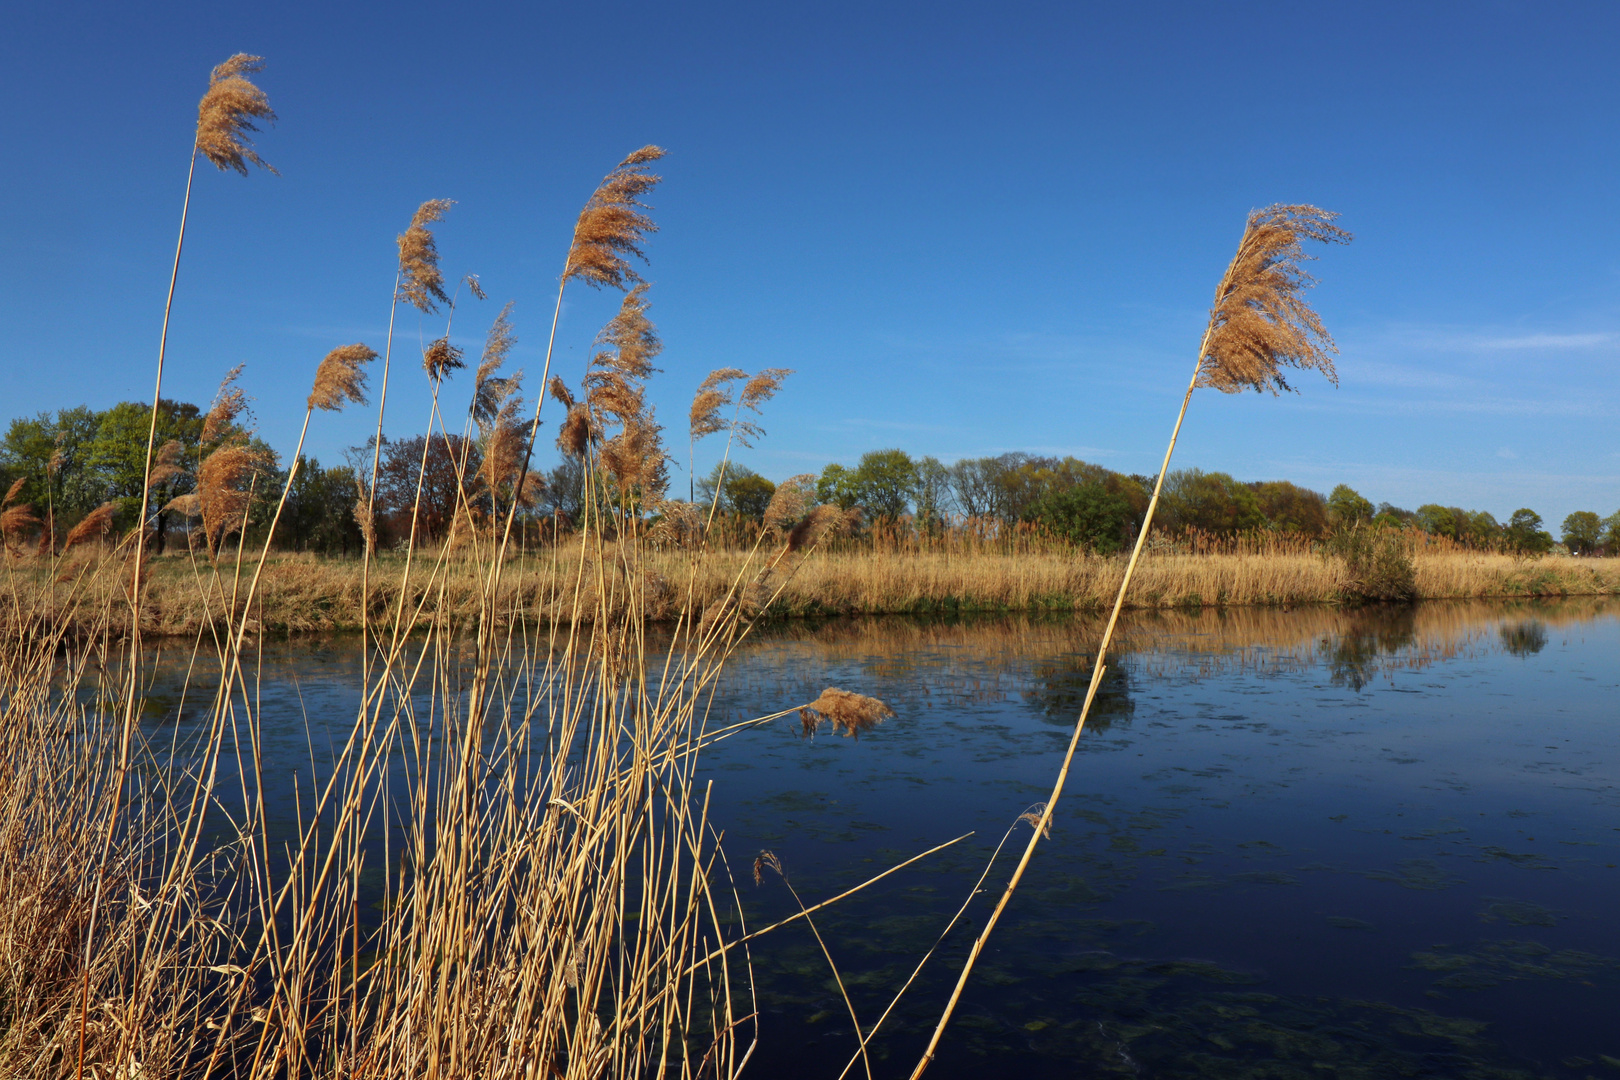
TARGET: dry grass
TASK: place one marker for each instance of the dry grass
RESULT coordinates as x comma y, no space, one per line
311,593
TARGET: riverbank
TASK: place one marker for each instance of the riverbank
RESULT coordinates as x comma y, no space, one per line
303,593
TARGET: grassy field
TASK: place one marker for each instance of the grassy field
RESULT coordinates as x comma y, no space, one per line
304,593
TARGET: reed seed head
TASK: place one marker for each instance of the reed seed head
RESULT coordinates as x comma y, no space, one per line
574,438
94,525
631,336
341,377
762,387
713,397
1033,816
227,113
1261,322
223,484
788,504
440,358
474,286
497,345
420,281
187,506
636,459
167,465
851,713
16,489
229,403
560,391
612,225
18,521
766,860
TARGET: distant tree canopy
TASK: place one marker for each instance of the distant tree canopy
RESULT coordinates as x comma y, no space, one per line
74,460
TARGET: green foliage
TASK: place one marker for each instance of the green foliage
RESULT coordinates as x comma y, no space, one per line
1290,508
837,485
1346,507
1524,535
1376,562
1583,532
1611,533
745,493
884,481
1213,502
319,513
1088,515
117,455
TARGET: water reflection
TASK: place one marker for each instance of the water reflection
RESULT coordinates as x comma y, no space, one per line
1525,637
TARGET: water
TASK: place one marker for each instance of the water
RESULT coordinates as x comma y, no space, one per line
1310,843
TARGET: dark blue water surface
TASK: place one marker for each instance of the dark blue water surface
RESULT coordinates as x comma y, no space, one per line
1317,843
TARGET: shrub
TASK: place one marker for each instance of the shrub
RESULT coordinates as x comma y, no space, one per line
1377,565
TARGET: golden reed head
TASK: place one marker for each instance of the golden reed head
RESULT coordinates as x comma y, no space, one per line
1261,322
227,113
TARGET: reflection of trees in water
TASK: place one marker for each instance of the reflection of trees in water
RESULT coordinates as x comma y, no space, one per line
1358,653
1060,690
1524,638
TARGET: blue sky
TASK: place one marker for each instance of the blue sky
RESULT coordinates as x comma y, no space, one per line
969,228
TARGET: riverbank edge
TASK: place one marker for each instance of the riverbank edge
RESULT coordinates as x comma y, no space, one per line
310,594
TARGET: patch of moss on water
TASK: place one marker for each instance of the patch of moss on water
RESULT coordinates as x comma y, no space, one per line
1518,912
1417,874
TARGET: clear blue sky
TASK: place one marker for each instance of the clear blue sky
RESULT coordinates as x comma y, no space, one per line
970,228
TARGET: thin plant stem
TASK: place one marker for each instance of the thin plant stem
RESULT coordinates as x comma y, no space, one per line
1098,667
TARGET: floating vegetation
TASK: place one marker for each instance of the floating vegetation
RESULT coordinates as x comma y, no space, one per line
1518,912
1488,963
1422,874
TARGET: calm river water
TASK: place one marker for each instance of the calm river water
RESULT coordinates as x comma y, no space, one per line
1294,844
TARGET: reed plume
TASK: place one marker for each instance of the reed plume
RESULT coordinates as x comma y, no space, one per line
612,226
167,466
574,437
440,358
223,486
491,393
187,506
1259,324
96,524
228,111
1261,321
421,283
18,521
792,498
229,403
636,459
713,397
16,489
341,377
849,712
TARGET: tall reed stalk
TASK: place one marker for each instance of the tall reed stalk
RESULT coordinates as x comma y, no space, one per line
1259,323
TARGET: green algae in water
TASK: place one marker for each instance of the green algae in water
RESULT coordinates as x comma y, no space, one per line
1490,963
1518,912
1418,874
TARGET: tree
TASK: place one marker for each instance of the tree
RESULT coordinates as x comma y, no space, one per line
1611,533
933,493
69,490
1524,534
745,492
1290,508
1583,532
1213,502
884,481
318,515
837,485
1346,507
1088,515
978,485
440,488
117,457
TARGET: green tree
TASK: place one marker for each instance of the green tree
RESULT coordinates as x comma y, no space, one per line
1346,507
319,512
1583,532
1088,515
933,494
836,485
67,492
117,457
742,493
1291,508
1213,502
884,482
1524,534
1611,533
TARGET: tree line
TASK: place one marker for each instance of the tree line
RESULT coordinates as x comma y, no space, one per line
77,459
1097,508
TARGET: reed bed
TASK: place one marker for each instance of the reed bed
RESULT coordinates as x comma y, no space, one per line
301,593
